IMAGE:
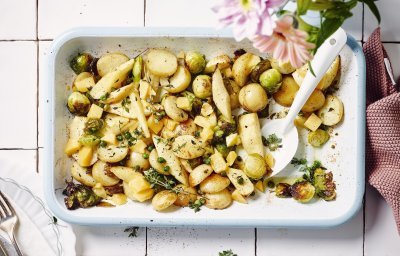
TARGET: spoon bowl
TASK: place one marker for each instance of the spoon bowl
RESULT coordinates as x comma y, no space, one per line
283,154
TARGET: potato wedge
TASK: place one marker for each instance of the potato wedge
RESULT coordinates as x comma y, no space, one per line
332,111
120,93
238,197
199,174
173,111
286,93
112,153
187,147
110,61
161,62
314,102
137,106
117,108
163,199
159,167
221,62
326,80
124,173
282,67
164,151
214,183
240,180
219,200
136,160
100,173
250,134
111,80
129,190
179,81
82,175
242,67
221,96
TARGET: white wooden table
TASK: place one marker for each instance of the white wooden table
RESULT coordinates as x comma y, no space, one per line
27,28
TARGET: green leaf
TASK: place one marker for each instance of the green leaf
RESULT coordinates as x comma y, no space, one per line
374,9
328,27
320,5
303,6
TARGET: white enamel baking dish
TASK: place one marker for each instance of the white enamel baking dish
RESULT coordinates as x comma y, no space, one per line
346,160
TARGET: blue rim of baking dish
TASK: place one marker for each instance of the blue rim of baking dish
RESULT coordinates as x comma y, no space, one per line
49,113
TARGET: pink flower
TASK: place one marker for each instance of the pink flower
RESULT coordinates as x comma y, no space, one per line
286,44
248,17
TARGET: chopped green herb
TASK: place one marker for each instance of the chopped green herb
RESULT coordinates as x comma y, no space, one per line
207,160
104,97
272,142
240,180
296,162
166,168
132,231
120,138
227,253
145,156
103,144
196,205
150,148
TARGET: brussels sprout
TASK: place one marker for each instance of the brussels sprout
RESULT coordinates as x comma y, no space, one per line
81,63
89,140
223,149
78,195
302,191
255,166
137,69
195,62
282,190
318,138
325,187
78,104
93,125
202,86
259,69
271,80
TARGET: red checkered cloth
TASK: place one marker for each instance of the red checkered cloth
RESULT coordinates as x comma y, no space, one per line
383,126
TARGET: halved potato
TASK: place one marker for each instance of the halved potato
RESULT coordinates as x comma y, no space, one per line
161,62
179,81
172,110
136,160
219,200
187,147
110,61
112,153
242,67
82,175
214,183
326,80
84,82
221,62
186,195
286,93
99,173
314,102
199,174
163,199
332,111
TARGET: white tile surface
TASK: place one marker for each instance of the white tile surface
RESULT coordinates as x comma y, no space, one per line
98,241
389,10
394,55
26,159
381,237
18,19
44,48
56,16
18,85
199,242
194,13
346,240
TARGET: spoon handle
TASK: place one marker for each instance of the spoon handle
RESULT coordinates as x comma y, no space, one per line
321,62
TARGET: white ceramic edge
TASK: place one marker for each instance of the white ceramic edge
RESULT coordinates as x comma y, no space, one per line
48,176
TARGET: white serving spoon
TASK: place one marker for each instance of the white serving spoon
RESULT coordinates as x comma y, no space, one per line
284,128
